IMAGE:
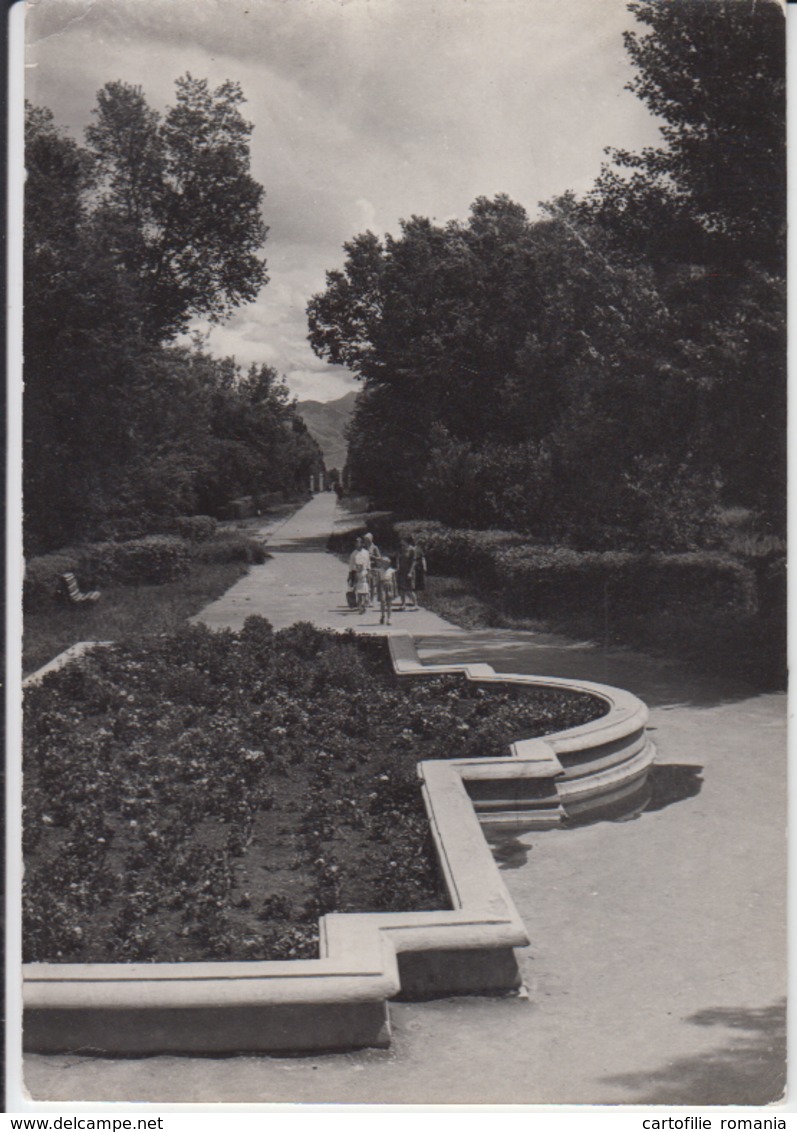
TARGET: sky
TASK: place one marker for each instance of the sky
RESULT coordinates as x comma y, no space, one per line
365,112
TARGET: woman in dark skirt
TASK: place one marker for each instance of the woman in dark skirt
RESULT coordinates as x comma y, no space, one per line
406,571
420,568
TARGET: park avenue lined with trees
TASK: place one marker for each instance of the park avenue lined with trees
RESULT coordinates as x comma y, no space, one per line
577,413
605,379
610,375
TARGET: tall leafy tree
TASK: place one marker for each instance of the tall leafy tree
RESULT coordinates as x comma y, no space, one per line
603,373
81,339
714,74
706,209
179,198
156,221
346,317
487,334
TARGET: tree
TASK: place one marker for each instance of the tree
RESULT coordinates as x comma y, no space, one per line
607,373
345,319
706,211
81,340
714,73
178,197
124,242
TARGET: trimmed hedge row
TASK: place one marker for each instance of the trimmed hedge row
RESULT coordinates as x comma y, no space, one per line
195,528
154,559
473,554
537,580
232,546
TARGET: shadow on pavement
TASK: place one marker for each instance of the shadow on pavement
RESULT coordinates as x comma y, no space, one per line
666,784
508,850
309,544
672,782
659,683
748,1069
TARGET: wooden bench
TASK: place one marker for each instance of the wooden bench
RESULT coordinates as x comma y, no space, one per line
74,594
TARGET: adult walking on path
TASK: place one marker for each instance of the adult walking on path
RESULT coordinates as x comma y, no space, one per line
302,582
656,973
407,562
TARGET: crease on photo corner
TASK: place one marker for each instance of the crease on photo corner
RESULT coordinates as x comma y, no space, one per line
70,23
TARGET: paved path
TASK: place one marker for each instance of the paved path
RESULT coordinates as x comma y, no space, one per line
303,583
656,970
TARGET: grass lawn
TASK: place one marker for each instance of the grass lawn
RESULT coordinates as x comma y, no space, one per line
128,612
124,612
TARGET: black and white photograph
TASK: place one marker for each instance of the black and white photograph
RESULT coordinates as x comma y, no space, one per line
403,472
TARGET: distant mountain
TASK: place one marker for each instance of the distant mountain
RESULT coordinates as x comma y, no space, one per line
326,421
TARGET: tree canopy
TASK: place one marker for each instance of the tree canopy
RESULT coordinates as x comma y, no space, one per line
608,372
153,222
177,194
714,74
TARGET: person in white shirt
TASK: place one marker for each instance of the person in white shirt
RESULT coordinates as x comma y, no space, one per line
362,564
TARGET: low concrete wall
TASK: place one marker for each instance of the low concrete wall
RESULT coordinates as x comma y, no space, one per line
339,1001
544,781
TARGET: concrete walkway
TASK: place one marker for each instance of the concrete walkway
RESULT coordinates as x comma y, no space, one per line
656,973
303,583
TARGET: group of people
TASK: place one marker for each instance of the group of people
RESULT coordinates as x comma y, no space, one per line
375,577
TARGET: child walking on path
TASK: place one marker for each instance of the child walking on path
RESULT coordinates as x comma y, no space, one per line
386,585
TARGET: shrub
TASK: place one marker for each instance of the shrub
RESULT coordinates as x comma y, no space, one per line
539,580
42,584
243,508
195,528
269,499
153,559
465,553
699,579
231,546
124,528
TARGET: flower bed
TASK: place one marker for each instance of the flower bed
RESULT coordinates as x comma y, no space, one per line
209,795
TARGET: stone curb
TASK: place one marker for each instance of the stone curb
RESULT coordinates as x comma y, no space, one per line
339,1001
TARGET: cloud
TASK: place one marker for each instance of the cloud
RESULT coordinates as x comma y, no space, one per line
308,385
364,112
367,221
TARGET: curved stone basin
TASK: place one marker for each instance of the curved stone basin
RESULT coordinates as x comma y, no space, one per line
340,1000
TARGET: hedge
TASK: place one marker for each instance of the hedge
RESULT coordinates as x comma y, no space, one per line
535,580
231,546
195,528
154,559
540,580
468,553
243,508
